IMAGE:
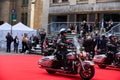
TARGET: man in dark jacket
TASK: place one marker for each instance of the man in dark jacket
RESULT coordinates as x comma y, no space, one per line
112,49
62,51
103,26
88,44
113,43
102,44
9,40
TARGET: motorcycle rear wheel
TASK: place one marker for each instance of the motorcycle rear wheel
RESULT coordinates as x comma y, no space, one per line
50,71
88,73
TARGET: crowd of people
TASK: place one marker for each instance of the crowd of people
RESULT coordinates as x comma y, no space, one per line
92,44
27,42
90,37
87,27
94,40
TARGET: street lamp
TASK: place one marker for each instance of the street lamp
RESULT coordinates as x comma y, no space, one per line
13,14
13,17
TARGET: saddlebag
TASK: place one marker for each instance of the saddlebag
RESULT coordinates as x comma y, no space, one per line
99,58
118,55
46,61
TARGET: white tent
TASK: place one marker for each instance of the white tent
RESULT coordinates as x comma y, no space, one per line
4,29
19,29
5,26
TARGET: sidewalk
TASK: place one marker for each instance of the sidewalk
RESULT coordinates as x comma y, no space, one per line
3,51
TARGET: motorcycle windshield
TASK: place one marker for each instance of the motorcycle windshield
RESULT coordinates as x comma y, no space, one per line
77,44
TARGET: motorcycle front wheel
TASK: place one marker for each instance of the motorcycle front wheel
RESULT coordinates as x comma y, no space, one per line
88,73
50,71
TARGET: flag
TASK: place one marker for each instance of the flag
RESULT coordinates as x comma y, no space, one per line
44,44
96,47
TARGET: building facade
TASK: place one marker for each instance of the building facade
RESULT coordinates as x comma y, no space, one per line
4,11
13,11
44,13
26,11
79,10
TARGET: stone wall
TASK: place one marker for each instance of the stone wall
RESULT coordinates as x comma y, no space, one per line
4,10
38,14
85,8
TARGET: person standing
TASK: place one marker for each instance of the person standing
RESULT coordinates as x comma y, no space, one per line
42,38
84,27
9,40
32,41
103,26
96,44
36,41
16,43
89,28
103,44
77,28
24,43
110,25
88,45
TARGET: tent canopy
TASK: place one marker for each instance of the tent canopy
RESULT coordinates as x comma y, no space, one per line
20,26
4,29
5,26
17,30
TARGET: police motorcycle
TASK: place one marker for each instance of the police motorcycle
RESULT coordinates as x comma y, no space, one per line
75,62
109,59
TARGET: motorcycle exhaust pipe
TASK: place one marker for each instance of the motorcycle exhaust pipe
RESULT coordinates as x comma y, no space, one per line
57,70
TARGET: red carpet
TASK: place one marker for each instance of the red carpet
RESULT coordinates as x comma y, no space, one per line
25,67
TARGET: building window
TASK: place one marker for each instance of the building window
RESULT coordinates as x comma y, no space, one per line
64,0
107,0
55,1
82,0
24,17
59,2
25,2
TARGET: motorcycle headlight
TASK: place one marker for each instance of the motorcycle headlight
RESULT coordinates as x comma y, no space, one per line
78,47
